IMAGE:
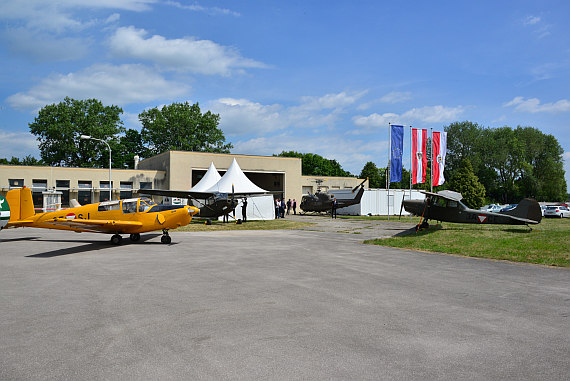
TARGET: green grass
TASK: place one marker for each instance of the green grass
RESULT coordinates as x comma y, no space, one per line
547,244
199,225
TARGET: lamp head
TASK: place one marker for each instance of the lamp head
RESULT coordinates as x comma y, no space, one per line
85,137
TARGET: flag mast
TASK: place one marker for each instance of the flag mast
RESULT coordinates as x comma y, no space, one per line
431,174
411,158
389,166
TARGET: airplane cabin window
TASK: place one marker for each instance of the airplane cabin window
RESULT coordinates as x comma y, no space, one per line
146,205
441,202
129,207
452,204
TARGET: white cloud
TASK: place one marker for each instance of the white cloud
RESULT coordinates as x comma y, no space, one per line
44,46
433,114
392,98
537,26
531,20
428,114
58,15
111,84
199,8
329,101
376,120
18,144
242,116
351,155
396,97
183,54
533,105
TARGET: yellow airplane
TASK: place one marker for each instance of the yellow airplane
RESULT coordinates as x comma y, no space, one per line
129,216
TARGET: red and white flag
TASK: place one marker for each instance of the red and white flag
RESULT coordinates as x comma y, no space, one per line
419,156
438,152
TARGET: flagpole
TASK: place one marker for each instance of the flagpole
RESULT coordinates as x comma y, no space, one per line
411,166
389,166
431,175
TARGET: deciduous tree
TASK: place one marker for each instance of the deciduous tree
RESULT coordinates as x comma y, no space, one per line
182,126
59,126
466,182
316,165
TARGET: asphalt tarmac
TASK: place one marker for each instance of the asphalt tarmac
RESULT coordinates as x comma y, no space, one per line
277,305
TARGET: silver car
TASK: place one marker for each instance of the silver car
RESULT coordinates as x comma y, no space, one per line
557,211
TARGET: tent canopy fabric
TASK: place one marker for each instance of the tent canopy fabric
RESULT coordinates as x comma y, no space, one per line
236,178
211,177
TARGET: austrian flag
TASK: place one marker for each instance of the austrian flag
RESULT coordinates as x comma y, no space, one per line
419,156
438,152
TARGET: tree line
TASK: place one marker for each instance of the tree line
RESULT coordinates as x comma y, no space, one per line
485,164
493,165
178,126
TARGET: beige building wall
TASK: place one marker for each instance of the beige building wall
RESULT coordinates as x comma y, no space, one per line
78,178
175,170
283,173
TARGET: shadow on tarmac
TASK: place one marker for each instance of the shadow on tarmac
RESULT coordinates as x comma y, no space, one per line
91,246
19,239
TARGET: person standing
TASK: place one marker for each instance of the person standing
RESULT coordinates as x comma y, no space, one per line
334,206
288,206
244,210
294,205
282,208
277,206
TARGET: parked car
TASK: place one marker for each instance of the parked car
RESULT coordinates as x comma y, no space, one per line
491,208
508,207
557,211
542,209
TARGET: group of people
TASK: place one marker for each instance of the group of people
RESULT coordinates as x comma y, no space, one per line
281,206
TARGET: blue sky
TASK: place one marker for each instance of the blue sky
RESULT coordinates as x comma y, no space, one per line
313,76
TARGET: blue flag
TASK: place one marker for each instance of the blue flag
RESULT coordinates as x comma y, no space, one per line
397,142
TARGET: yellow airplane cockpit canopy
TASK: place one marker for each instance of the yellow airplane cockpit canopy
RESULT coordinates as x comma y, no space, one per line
131,205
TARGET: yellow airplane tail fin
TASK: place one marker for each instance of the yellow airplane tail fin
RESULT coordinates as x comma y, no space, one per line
21,204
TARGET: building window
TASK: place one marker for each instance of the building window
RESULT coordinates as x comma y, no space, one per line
145,185
16,183
126,190
104,191
63,187
84,193
38,186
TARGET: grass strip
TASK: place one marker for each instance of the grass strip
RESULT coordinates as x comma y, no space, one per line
546,244
200,225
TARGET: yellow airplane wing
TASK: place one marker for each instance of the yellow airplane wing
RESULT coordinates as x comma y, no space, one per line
103,226
19,224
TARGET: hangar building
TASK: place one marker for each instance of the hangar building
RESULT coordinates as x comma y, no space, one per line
175,170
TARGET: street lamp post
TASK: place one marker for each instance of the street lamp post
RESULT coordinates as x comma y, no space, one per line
87,137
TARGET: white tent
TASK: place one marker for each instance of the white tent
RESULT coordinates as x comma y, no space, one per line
259,207
210,178
235,178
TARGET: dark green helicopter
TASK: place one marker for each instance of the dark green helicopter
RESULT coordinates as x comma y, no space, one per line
446,206
322,201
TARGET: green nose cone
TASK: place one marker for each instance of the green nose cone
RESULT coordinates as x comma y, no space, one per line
4,212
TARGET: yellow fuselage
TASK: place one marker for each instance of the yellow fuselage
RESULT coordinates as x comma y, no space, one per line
115,221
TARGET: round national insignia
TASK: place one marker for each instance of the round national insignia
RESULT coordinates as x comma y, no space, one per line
70,216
